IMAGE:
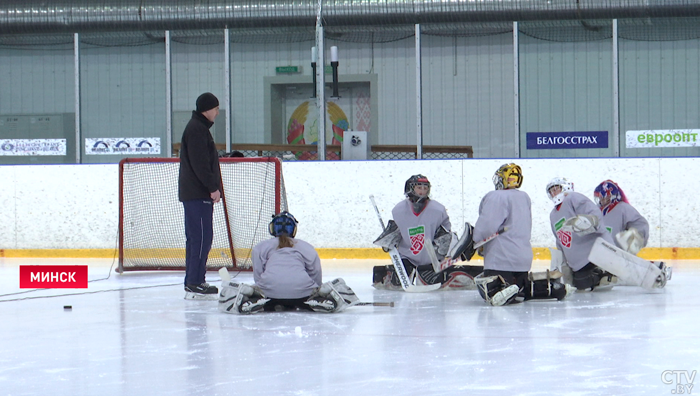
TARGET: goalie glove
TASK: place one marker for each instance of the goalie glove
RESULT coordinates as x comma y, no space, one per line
582,224
630,240
443,241
390,237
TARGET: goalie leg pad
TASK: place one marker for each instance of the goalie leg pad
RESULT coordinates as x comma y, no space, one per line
385,278
390,237
591,277
241,298
426,275
460,277
548,284
495,290
464,248
331,297
586,278
668,271
629,267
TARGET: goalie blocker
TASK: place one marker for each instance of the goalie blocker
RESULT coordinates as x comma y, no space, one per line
464,249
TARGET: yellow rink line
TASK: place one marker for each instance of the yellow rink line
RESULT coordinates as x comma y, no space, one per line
345,253
538,253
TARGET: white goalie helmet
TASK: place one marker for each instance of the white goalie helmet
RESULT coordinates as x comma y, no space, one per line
566,187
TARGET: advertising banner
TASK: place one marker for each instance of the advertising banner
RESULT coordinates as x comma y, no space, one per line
112,146
567,140
663,138
30,147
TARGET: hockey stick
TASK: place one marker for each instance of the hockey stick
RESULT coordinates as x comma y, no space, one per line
431,253
376,304
489,238
398,264
376,209
437,265
441,266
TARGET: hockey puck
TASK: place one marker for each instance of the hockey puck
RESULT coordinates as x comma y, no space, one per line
68,307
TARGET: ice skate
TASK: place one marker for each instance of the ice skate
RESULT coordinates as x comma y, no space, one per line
201,292
665,269
495,291
504,296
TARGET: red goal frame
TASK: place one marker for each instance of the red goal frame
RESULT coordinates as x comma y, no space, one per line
280,204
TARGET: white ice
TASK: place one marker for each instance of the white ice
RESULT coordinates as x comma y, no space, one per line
134,334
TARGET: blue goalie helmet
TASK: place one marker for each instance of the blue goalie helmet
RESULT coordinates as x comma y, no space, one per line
283,224
608,194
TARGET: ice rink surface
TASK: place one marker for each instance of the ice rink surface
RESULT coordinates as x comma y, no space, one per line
134,334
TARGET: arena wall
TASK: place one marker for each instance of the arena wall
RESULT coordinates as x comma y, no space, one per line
72,210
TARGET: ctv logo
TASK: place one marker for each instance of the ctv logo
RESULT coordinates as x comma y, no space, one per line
53,276
670,377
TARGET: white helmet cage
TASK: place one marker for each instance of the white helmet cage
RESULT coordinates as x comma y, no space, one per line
566,187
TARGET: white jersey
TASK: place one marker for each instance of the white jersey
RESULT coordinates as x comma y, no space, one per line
624,216
415,227
576,248
510,251
290,272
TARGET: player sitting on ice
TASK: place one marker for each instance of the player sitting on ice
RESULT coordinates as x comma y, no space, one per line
630,228
575,222
415,218
508,256
287,274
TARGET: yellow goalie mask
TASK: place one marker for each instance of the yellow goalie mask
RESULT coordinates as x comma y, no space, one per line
508,176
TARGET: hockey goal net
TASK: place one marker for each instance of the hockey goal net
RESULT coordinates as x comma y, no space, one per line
151,218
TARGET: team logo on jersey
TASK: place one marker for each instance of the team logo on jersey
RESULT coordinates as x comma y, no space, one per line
609,229
563,236
417,236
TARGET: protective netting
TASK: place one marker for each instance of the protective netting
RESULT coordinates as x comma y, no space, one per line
634,29
331,155
637,29
567,31
152,232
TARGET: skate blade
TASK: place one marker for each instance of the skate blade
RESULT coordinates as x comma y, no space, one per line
201,297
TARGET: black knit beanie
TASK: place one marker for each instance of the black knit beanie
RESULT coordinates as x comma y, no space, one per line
206,101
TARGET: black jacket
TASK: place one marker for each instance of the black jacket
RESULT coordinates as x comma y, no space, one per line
200,174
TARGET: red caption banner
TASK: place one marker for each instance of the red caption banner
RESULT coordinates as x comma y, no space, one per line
53,276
